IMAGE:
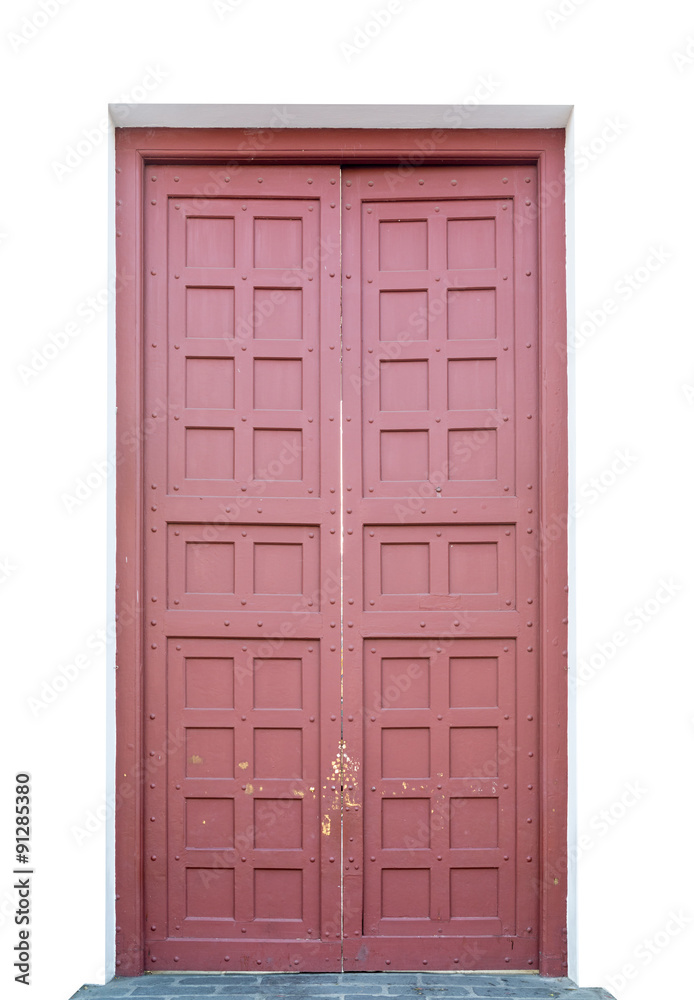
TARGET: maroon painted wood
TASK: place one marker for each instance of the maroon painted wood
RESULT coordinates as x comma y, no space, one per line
440,383
424,699
241,564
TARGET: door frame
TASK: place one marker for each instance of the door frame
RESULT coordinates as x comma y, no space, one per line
407,150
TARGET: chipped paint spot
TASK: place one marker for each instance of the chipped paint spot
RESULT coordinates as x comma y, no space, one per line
325,825
243,764
298,791
312,789
249,789
195,759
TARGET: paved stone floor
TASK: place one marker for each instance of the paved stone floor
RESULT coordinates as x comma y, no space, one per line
348,986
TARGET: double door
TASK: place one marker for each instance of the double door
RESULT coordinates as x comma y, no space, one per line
341,489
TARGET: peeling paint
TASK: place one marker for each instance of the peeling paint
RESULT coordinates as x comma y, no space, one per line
243,764
195,759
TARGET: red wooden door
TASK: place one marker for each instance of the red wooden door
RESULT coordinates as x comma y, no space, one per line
285,829
242,564
440,331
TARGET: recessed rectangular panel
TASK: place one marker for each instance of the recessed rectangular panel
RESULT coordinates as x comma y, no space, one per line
474,892
277,384
404,682
277,683
277,824
210,893
277,568
471,243
472,454
277,455
277,314
277,243
471,313
474,681
405,892
405,753
405,824
210,383
209,682
404,455
209,824
472,384
210,313
403,315
278,753
405,568
209,242
210,753
404,385
474,823
278,894
209,568
403,245
474,752
209,453
473,568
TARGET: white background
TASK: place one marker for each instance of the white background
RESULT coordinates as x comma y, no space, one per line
630,76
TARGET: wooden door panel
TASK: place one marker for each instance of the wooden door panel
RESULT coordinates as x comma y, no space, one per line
440,385
242,562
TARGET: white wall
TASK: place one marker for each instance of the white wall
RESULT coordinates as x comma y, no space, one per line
631,83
